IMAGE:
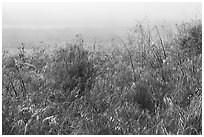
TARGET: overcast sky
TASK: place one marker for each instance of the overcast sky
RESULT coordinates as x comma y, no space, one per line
94,14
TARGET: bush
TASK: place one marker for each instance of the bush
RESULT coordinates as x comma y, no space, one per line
191,39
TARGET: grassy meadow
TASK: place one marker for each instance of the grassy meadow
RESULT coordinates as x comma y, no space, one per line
148,84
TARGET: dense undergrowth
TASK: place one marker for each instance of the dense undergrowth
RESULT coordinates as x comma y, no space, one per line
149,84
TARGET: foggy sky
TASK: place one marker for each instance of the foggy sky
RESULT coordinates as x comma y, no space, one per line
94,14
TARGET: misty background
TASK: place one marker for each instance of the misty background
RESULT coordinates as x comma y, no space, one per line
58,22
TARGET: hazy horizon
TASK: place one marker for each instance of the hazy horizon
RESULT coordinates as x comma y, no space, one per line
33,22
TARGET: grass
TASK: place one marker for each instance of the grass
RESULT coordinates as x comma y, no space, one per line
149,84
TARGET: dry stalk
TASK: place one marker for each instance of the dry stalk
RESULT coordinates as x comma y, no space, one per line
162,43
131,61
